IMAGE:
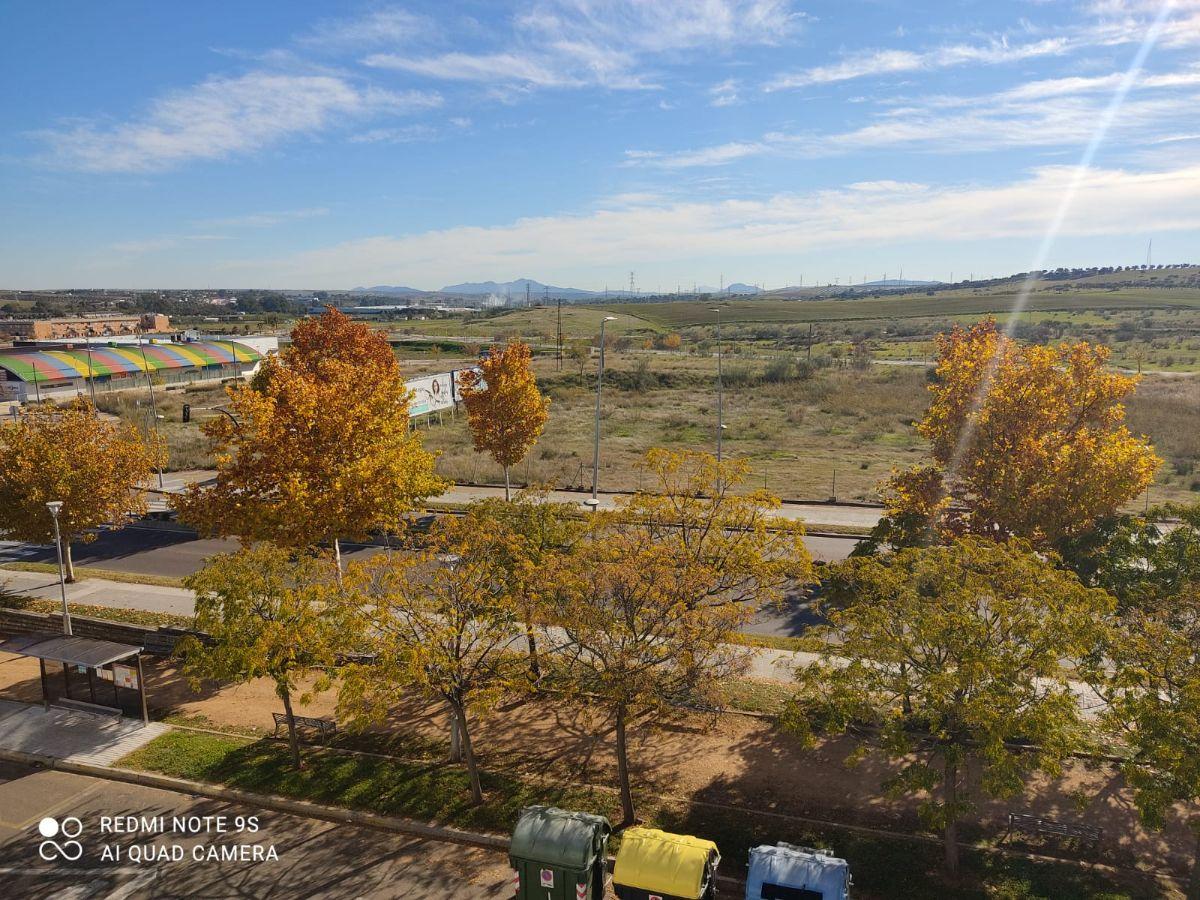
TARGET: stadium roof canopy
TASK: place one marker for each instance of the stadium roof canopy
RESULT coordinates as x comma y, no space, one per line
122,360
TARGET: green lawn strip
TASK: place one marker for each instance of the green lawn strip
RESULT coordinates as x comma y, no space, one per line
85,572
436,792
107,613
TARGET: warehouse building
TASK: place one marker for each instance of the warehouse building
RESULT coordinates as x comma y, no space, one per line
98,326
31,374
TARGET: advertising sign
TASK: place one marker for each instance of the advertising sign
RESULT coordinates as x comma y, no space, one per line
125,677
432,393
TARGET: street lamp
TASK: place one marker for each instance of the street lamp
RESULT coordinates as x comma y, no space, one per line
720,385
595,502
55,507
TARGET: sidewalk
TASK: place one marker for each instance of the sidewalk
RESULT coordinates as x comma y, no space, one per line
98,592
71,735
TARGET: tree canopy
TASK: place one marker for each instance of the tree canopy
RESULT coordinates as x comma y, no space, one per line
320,446
956,650
93,465
505,409
1027,440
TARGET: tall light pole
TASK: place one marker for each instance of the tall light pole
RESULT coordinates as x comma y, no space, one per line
153,408
55,507
595,501
720,385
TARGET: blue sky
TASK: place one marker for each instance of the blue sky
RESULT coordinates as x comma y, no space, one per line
318,145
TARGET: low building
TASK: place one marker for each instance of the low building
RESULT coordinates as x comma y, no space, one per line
69,327
36,374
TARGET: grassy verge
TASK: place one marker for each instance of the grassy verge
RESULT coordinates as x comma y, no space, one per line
772,641
107,613
883,867
83,573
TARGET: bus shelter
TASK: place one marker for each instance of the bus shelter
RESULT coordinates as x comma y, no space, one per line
101,665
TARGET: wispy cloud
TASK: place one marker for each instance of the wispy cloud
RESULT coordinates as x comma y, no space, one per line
892,62
576,43
222,117
390,25
1109,201
162,242
724,94
1042,113
266,219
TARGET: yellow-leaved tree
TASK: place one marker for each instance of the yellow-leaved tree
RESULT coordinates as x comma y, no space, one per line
95,467
318,448
505,409
1027,440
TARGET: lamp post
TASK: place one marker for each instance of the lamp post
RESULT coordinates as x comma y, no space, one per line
55,507
153,408
594,503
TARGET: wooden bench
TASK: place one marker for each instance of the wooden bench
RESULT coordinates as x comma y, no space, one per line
1037,825
325,727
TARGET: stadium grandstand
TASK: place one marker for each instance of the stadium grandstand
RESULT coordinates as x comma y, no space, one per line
36,373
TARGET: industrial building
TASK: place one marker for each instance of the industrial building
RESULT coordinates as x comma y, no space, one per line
37,373
97,326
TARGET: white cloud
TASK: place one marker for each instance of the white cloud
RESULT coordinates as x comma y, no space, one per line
724,94
164,242
577,43
266,219
405,134
1044,113
891,62
222,117
391,25
873,214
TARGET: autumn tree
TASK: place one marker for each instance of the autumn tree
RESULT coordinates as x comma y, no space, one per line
438,624
318,448
505,409
1030,440
636,640
737,549
93,465
268,612
955,652
538,531
1152,685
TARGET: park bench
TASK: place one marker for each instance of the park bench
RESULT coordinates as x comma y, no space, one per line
324,727
1037,825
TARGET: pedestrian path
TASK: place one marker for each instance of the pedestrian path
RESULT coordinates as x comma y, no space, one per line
72,735
100,592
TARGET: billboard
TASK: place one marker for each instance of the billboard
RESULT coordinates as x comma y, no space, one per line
432,393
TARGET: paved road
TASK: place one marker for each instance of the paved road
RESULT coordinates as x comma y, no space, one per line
150,550
314,859
816,514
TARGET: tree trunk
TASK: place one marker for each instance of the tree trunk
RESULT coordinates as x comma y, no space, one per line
506,489
286,695
535,667
1193,887
337,560
68,562
627,809
456,754
460,714
950,834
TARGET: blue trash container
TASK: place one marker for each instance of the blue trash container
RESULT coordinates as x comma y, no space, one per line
788,872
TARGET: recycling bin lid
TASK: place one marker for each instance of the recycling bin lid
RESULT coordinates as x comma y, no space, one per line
653,860
796,867
558,837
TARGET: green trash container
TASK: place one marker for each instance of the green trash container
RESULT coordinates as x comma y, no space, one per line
559,855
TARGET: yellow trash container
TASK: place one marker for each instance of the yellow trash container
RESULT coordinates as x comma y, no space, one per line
658,865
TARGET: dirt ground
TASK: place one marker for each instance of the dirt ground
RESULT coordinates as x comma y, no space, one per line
729,759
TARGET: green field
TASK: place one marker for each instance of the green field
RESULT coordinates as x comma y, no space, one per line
680,314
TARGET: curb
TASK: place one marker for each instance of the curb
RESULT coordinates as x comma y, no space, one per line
265,801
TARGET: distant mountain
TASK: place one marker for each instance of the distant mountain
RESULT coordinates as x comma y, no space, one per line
394,289
514,289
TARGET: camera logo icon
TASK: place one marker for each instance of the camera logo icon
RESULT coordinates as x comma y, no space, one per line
68,849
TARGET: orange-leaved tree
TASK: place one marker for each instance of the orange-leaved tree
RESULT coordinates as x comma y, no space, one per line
95,467
505,409
1027,440
318,447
